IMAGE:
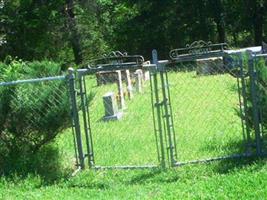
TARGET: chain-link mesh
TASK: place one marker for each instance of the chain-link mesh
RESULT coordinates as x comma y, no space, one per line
260,64
203,109
33,112
121,121
206,109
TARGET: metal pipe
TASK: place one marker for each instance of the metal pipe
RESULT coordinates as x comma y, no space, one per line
82,95
125,167
37,80
157,104
153,115
254,102
91,156
76,116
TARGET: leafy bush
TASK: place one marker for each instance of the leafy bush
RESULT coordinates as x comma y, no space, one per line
261,89
31,114
261,68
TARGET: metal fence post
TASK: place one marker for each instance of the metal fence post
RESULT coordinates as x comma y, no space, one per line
254,101
243,98
170,120
157,104
75,116
86,121
167,111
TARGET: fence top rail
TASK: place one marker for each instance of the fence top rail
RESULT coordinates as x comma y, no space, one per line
261,55
198,49
112,68
32,80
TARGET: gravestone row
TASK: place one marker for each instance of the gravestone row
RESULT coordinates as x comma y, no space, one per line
114,104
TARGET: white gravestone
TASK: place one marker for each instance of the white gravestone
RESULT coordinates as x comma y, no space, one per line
120,91
111,108
129,84
138,80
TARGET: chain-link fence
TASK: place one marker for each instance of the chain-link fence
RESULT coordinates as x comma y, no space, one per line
195,108
215,102
33,113
125,113
118,118
258,100
206,109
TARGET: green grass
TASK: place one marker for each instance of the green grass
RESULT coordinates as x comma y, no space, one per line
205,115
216,181
206,125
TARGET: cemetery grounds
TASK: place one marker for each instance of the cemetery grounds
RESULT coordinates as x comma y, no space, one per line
213,98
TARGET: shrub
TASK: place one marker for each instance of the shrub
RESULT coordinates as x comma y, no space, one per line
261,89
31,115
261,67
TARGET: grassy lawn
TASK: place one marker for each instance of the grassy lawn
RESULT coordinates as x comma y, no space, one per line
216,181
207,125
206,117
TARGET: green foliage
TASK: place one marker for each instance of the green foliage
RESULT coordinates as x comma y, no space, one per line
261,68
32,29
91,30
31,114
61,30
226,179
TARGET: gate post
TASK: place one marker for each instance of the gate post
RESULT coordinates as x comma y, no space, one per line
166,110
158,110
86,120
254,101
243,99
75,116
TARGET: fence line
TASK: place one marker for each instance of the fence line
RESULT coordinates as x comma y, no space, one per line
201,108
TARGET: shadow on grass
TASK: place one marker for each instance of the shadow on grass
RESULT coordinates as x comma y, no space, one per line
45,164
144,176
208,169
230,148
232,165
196,171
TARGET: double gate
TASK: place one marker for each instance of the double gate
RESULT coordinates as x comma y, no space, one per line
200,105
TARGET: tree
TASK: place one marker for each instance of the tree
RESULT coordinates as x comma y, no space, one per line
74,35
218,14
32,29
256,14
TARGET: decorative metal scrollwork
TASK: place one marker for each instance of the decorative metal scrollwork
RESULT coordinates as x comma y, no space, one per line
115,54
196,48
199,47
117,57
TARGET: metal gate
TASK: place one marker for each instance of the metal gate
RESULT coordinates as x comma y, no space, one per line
201,105
126,139
215,106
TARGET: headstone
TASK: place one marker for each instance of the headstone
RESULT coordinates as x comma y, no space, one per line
138,80
106,77
210,66
111,108
129,84
146,75
120,90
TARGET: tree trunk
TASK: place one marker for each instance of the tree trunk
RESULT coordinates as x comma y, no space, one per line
258,24
73,32
218,15
221,31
